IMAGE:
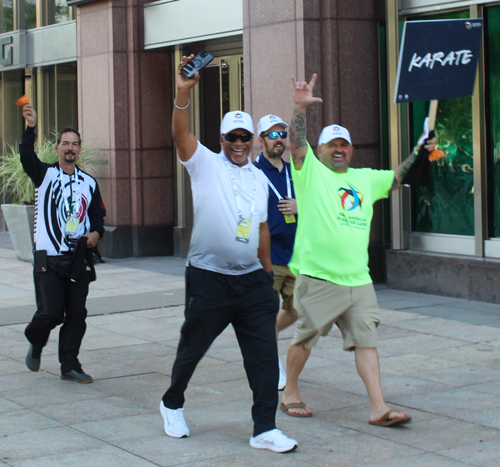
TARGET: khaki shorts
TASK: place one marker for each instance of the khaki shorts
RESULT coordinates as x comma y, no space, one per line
284,282
321,304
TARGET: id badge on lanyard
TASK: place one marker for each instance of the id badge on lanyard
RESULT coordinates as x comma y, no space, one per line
72,220
244,227
289,218
71,225
243,230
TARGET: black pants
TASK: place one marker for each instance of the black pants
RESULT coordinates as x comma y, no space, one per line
60,301
249,303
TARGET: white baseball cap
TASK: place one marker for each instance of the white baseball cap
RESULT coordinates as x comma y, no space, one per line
332,132
236,119
268,122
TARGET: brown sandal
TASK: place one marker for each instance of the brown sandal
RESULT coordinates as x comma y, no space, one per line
386,421
295,405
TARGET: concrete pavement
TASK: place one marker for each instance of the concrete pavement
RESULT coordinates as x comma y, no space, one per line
440,359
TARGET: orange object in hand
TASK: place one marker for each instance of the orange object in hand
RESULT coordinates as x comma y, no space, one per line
23,100
436,154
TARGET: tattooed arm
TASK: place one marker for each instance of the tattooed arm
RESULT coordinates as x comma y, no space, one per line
302,98
402,170
298,143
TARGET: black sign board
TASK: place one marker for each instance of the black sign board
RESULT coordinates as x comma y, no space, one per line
438,59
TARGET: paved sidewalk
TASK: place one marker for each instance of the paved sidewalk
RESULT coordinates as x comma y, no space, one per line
440,359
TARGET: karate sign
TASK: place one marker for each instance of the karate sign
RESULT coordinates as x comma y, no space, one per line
438,59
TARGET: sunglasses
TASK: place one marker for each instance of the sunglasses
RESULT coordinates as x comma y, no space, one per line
233,137
275,134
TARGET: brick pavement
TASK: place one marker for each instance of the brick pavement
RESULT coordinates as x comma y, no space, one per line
440,359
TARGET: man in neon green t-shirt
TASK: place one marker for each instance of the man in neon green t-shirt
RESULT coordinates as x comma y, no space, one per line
330,257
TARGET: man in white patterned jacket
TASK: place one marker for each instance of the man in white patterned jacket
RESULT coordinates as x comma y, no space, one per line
69,220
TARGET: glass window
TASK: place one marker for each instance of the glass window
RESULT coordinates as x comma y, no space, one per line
6,16
61,11
29,14
66,96
11,120
492,36
210,105
448,205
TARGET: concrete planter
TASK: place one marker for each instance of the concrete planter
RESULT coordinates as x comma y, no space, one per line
20,222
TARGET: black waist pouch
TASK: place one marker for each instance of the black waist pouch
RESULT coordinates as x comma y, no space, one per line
40,260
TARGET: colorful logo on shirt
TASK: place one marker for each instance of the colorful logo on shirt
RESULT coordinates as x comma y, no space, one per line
71,204
350,198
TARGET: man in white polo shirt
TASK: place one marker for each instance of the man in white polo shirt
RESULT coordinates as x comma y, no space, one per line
229,275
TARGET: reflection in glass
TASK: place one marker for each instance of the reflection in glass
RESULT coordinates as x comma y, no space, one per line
11,120
7,23
493,76
61,11
66,97
29,14
448,205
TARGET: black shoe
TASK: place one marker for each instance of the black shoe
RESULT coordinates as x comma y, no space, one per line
33,358
77,375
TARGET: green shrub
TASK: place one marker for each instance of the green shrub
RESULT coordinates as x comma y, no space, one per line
14,181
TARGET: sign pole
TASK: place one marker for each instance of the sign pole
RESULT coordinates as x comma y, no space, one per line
433,108
433,113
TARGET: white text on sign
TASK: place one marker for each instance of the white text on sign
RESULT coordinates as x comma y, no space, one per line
461,57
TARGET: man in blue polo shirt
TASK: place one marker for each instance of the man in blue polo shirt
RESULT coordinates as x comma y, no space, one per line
282,215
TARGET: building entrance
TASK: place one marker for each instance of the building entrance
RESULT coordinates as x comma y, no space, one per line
221,90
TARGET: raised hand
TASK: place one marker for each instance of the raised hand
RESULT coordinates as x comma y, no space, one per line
303,92
302,98
185,141
430,144
29,115
184,83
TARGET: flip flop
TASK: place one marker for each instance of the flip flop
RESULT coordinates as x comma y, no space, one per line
386,421
295,405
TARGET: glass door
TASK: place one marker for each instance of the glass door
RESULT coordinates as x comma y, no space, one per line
443,216
447,207
220,91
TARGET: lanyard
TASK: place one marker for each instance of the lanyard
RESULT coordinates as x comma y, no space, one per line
235,188
67,208
288,186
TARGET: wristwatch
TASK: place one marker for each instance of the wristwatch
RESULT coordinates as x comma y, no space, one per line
271,273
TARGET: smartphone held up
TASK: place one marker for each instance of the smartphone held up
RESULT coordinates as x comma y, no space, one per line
198,63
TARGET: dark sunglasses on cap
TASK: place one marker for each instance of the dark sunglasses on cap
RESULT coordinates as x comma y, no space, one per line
275,134
233,137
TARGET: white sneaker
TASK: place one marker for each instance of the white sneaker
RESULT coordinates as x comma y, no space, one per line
274,440
282,381
175,425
